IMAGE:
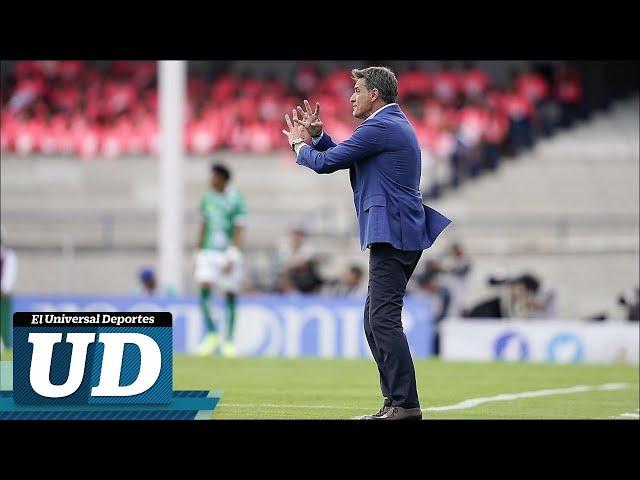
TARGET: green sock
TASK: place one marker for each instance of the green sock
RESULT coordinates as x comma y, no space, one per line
205,294
230,306
5,320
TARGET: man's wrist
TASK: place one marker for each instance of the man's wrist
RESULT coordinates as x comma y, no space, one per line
296,142
299,147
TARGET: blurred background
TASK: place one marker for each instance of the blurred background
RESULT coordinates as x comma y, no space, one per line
536,162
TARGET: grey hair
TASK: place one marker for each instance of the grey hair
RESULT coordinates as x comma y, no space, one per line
381,78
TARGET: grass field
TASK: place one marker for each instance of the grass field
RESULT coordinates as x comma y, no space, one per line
307,388
262,388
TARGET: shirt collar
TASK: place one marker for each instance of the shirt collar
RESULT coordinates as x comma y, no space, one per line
378,110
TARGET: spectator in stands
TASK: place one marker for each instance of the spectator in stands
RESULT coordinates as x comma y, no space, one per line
147,278
504,304
513,297
473,82
534,87
517,297
110,108
455,267
488,308
148,285
439,300
431,284
351,283
538,302
471,120
520,111
495,133
306,79
298,263
568,91
446,84
430,267
8,274
632,307
413,84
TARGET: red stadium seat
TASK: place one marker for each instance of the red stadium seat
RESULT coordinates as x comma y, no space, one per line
118,107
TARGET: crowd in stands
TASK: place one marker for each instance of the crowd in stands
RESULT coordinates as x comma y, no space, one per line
73,108
442,279
460,115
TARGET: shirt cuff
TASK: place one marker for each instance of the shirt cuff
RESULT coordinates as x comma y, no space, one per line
315,140
299,146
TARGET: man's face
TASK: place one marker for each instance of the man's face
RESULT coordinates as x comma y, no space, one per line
361,100
297,237
218,182
519,291
430,286
351,277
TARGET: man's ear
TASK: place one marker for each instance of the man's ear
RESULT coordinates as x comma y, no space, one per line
375,95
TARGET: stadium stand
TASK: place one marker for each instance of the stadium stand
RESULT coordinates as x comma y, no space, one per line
101,109
559,207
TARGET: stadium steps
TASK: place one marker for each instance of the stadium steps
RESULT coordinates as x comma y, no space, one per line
590,171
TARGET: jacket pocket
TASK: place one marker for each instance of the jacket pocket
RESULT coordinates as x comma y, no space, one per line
374,201
376,218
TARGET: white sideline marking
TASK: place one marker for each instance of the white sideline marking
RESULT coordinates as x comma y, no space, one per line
470,403
474,402
629,415
635,415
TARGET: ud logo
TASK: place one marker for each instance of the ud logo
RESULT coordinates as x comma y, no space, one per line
92,358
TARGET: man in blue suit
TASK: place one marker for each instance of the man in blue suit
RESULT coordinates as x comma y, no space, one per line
383,158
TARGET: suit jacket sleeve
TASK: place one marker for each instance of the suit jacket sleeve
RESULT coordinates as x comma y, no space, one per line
324,143
367,140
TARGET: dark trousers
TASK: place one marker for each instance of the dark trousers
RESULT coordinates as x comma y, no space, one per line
389,272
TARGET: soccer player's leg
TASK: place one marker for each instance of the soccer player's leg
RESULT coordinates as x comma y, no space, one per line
205,275
5,323
228,348
231,284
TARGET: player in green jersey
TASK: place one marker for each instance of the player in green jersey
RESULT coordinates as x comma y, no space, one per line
219,260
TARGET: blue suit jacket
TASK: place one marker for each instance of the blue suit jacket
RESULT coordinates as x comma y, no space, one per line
383,158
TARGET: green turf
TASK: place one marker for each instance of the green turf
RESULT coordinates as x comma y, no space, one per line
260,388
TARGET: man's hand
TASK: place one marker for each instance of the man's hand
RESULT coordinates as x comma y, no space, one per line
295,133
233,256
310,119
226,268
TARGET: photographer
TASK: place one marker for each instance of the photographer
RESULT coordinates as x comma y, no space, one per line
632,308
518,297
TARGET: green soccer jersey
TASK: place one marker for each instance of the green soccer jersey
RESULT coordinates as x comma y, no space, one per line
220,212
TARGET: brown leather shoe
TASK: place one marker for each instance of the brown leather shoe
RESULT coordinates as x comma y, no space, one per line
374,416
399,413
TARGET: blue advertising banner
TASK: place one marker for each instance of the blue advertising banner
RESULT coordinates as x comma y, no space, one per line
267,325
